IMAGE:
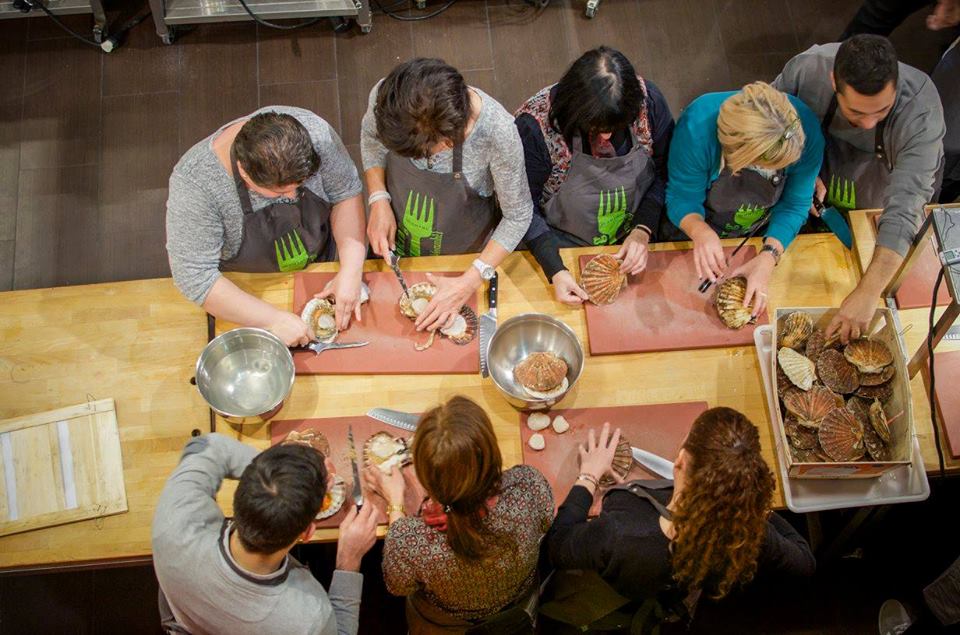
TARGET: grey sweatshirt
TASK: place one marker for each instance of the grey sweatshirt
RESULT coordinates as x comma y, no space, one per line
204,588
914,137
204,219
493,163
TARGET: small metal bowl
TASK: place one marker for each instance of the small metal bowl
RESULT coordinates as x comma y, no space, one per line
245,375
531,333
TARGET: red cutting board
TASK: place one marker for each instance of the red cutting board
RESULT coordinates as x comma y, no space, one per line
661,310
947,367
335,429
391,335
917,287
659,428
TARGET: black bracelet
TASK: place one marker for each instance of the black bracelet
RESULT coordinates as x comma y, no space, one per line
773,252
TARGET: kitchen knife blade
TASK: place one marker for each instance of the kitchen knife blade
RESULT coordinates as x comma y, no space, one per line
653,462
357,489
394,261
395,418
488,325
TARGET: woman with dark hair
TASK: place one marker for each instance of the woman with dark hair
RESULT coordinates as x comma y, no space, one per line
272,191
444,171
710,529
595,146
469,557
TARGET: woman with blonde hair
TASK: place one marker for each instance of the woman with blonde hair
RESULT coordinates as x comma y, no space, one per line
739,160
467,560
708,530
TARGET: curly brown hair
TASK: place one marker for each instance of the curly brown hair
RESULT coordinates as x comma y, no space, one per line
721,514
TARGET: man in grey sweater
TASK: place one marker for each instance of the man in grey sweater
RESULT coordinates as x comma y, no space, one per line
884,127
218,576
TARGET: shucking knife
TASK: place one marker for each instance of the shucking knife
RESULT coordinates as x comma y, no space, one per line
352,451
394,261
488,325
653,462
395,418
835,221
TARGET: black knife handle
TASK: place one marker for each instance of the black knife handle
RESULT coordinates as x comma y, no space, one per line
492,292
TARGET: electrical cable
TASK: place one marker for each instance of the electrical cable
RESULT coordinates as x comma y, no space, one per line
281,27
933,403
412,18
39,4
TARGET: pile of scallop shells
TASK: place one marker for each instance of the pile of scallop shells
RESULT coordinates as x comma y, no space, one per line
833,397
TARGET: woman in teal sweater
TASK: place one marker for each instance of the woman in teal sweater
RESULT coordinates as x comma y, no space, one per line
739,160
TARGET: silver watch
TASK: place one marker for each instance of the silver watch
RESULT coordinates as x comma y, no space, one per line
486,271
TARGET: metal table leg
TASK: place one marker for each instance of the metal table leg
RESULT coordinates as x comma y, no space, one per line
99,20
364,21
159,10
592,6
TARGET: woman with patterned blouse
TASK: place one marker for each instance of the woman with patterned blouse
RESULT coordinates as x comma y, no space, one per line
471,552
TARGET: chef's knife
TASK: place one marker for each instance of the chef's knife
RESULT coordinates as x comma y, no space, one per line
835,221
394,261
395,418
357,489
653,462
488,325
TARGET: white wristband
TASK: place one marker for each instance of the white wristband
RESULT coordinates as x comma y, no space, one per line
379,195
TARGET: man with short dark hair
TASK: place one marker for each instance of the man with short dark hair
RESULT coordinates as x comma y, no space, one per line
218,576
884,128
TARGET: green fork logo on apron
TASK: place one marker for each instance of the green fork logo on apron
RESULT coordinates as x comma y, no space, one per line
611,213
417,224
291,253
745,218
842,193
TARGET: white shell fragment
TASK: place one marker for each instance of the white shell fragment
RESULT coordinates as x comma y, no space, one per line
560,425
364,293
537,442
538,421
556,392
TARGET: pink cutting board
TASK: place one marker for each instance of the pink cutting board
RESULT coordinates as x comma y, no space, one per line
947,367
661,310
659,428
917,287
392,335
335,429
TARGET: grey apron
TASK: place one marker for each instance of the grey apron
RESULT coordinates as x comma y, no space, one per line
854,179
282,236
597,202
736,203
438,214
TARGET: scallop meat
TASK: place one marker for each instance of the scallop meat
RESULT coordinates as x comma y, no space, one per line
319,314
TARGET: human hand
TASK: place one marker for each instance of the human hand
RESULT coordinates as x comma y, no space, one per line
382,227
291,329
945,15
390,487
820,192
633,253
854,316
358,532
345,290
708,253
566,289
757,271
452,293
596,457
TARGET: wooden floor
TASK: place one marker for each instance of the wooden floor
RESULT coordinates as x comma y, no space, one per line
87,140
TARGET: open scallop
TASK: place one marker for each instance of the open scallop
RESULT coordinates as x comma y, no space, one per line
319,315
333,499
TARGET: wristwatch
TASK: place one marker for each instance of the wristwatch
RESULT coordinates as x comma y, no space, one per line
486,271
773,252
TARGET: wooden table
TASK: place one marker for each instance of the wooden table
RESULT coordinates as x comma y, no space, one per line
138,341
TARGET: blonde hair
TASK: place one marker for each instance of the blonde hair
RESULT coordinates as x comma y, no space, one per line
759,126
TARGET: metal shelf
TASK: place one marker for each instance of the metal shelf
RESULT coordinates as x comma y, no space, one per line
60,7
198,11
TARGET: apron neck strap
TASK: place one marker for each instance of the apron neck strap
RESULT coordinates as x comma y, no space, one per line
458,161
245,204
879,147
638,489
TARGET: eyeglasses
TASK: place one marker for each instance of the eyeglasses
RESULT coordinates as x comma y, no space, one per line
788,133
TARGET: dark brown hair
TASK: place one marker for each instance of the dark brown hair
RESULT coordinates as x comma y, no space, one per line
721,515
421,103
867,63
274,149
458,462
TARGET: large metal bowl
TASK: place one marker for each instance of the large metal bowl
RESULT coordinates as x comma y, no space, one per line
531,333
245,375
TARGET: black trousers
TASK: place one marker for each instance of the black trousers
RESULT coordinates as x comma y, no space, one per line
881,17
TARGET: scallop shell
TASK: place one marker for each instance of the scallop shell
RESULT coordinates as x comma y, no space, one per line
860,407
810,407
622,462
420,294
541,371
876,448
817,343
869,356
333,499
538,421
729,302
799,370
880,391
837,373
464,327
319,315
385,451
316,440
602,279
426,343
795,330
783,382
801,437
537,442
841,435
878,421
805,456
875,379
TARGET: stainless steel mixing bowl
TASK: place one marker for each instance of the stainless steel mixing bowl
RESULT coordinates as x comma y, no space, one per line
531,333
245,375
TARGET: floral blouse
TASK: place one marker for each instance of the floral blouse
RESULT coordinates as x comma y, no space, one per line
418,559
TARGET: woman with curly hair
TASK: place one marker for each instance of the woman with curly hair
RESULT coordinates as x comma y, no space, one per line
709,530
